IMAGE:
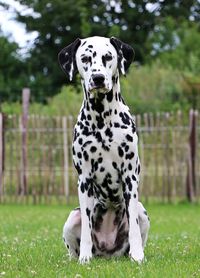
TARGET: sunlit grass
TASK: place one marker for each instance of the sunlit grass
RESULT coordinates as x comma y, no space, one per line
31,245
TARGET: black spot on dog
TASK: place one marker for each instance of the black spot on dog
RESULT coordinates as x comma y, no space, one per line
125,118
114,164
130,155
128,182
93,149
90,191
116,125
88,212
93,249
83,44
86,156
133,178
127,148
78,168
86,131
100,159
80,141
130,167
104,61
79,154
98,136
129,138
82,187
120,151
100,122
108,132
110,96
86,144
89,117
106,114
78,241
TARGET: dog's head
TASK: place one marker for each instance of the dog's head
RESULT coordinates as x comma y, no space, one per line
97,59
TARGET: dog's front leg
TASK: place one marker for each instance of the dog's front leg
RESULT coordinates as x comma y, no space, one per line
131,197
86,205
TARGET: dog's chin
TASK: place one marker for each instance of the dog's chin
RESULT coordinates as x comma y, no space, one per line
97,90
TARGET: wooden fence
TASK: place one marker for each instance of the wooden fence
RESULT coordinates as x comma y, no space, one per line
36,158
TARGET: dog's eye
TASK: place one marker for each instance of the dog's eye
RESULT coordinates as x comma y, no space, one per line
108,57
86,59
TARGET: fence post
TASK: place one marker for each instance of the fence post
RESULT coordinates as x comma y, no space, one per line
1,156
24,125
191,175
66,158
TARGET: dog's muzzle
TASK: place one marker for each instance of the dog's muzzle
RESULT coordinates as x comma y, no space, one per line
97,83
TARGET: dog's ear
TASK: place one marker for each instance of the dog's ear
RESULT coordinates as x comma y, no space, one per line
67,59
125,54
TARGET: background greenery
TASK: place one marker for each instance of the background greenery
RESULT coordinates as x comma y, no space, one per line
164,34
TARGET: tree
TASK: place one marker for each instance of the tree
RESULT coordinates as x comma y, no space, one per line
59,22
13,74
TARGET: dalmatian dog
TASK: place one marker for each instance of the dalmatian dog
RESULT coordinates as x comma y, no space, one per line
110,221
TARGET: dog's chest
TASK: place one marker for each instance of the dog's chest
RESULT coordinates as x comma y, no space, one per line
104,135
114,143
110,232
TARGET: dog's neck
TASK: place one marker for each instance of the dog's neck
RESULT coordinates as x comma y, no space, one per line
102,106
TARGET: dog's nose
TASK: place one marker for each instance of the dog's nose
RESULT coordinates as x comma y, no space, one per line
98,79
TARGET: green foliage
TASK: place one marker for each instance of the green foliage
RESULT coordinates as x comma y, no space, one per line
154,88
176,47
67,102
164,34
177,44
31,245
58,23
12,72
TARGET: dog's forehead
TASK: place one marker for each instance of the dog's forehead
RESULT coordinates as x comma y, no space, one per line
100,45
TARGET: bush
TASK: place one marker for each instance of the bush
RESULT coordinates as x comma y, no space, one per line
67,102
152,88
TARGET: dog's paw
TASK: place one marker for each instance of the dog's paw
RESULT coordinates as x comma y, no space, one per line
85,252
85,259
137,256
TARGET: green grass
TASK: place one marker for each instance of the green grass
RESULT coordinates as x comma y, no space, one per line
31,245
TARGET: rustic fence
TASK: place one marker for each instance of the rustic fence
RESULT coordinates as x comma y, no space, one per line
36,159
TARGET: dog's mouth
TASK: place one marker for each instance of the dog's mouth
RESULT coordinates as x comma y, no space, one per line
98,89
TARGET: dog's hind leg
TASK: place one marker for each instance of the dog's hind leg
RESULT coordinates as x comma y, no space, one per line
72,233
144,223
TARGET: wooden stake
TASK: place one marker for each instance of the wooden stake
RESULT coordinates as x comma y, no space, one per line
66,158
24,125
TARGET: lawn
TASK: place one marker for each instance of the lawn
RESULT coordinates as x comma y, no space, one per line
31,245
